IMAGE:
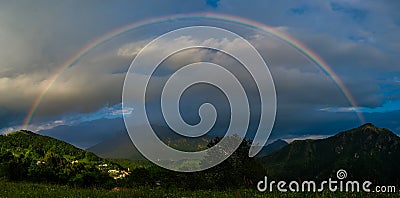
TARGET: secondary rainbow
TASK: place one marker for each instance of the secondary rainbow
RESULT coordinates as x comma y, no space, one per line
301,48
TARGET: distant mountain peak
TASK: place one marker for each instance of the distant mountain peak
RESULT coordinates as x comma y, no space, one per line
367,130
369,126
279,141
366,152
272,147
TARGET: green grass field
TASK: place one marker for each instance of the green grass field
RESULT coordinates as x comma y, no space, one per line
23,189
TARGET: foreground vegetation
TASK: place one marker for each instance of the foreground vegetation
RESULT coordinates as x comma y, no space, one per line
37,166
26,156
24,189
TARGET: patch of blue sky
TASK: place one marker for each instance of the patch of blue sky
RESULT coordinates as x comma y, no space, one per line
107,112
356,14
301,10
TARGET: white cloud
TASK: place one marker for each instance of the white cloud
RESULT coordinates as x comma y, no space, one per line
107,112
340,109
130,50
305,137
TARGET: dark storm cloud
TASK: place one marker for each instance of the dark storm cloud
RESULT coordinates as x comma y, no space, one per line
358,39
9,118
301,81
87,134
346,56
295,87
36,38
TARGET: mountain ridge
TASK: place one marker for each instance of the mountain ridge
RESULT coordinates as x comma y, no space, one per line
365,152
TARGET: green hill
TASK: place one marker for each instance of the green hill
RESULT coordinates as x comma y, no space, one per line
366,152
36,146
27,156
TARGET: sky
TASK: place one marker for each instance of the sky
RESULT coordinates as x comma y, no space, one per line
358,39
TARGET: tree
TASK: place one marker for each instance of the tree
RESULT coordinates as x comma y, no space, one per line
238,170
12,167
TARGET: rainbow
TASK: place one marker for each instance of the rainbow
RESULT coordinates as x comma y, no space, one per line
301,48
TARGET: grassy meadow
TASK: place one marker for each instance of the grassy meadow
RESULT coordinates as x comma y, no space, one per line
25,189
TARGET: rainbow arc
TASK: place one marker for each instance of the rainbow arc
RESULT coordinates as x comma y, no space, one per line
297,45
